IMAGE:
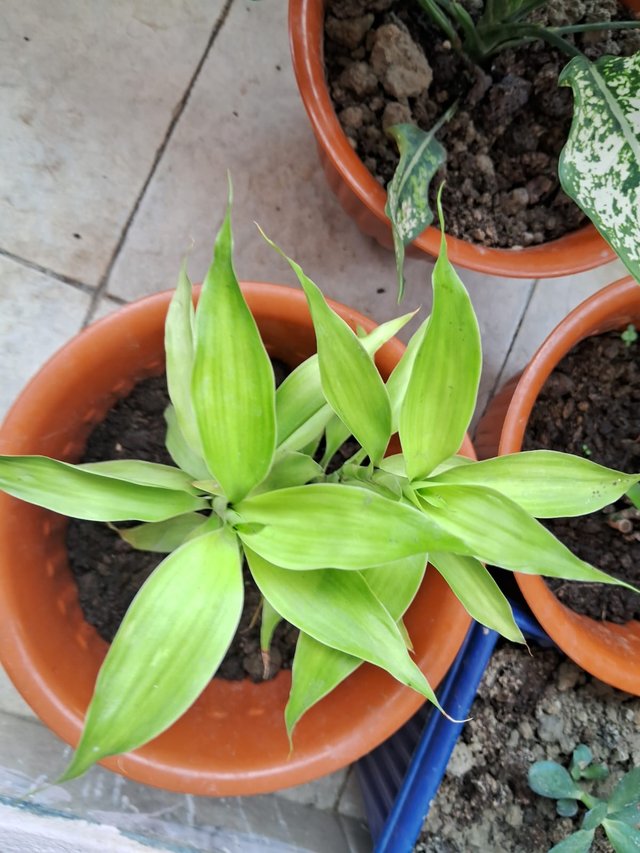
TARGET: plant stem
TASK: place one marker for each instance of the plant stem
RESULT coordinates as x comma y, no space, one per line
594,27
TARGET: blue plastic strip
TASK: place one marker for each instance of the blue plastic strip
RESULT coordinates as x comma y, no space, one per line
396,812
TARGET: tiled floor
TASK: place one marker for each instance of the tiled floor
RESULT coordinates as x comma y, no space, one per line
118,124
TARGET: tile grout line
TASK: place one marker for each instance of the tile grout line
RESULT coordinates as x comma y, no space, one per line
499,376
99,291
57,276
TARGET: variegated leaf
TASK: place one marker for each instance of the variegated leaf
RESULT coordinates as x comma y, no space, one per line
600,164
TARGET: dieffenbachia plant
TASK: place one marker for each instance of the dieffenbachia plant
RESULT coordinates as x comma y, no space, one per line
340,555
617,814
599,167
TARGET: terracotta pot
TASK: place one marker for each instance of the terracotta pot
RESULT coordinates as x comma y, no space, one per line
610,652
364,199
232,741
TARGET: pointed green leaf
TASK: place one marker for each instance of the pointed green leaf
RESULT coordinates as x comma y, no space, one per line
545,483
300,397
550,779
478,593
166,649
398,382
289,468
318,668
623,838
578,842
335,436
69,490
599,166
269,622
184,457
233,388
442,390
629,814
179,348
143,473
163,537
407,207
498,531
304,528
626,792
338,609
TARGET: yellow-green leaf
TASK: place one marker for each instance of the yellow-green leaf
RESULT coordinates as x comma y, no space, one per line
163,537
184,457
143,473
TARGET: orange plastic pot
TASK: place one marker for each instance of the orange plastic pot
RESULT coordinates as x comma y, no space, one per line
364,199
233,740
608,651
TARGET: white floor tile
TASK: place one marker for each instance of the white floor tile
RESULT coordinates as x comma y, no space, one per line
89,90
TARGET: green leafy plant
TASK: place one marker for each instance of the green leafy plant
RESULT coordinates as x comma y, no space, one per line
630,335
619,814
338,555
599,167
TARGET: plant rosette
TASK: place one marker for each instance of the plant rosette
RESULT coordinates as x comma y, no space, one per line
609,651
339,555
366,200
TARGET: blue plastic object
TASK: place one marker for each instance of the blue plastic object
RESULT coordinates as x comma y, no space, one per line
401,777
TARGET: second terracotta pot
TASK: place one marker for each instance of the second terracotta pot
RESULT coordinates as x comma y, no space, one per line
364,199
233,740
608,651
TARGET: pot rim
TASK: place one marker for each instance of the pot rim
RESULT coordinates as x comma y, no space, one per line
605,649
575,252
319,750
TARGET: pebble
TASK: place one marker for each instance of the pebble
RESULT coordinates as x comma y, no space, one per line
395,113
567,677
399,64
348,32
359,78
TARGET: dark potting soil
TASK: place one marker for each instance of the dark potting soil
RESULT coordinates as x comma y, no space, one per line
590,406
386,63
109,572
528,708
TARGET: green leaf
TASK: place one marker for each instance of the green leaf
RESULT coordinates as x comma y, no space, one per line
407,207
318,668
338,526
623,838
594,817
398,382
567,808
340,610
233,388
184,457
350,380
545,483
550,779
178,344
300,397
335,436
581,758
634,495
69,490
578,842
626,792
629,814
289,468
163,537
269,622
478,593
498,531
143,473
599,166
441,395
166,649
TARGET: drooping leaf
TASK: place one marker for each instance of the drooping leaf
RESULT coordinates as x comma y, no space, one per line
170,643
350,380
304,528
599,166
184,457
143,473
478,593
233,389
70,490
179,349
338,609
300,397
545,483
163,537
289,468
407,207
498,531
442,391
318,668
622,837
269,622
550,779
578,842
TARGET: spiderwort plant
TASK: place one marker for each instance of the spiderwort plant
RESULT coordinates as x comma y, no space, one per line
599,167
618,814
338,555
